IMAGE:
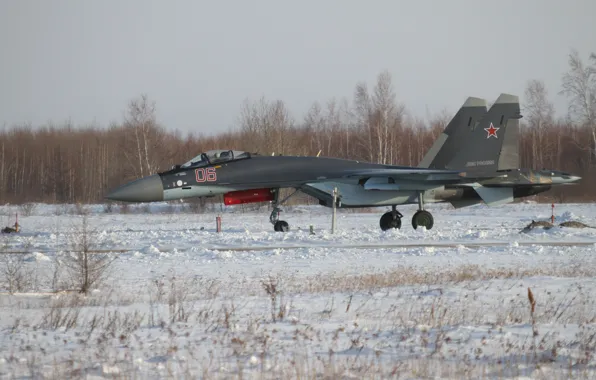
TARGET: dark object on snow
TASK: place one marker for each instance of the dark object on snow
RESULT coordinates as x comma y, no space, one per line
548,225
574,224
537,224
9,230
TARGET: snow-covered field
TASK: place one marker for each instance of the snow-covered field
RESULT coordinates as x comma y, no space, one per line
471,298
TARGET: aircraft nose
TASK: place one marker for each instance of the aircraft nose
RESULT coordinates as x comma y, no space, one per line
566,179
574,178
148,189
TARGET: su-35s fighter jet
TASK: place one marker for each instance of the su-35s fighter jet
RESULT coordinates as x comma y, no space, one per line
474,160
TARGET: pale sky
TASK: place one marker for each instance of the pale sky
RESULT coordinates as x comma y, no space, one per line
198,60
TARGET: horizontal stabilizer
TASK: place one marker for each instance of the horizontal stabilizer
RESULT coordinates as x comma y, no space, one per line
494,196
464,203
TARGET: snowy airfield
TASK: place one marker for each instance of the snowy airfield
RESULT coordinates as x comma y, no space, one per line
183,301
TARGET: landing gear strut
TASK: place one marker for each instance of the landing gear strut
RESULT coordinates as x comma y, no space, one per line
391,219
279,225
422,217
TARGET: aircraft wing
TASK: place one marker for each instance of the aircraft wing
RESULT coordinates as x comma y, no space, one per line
409,173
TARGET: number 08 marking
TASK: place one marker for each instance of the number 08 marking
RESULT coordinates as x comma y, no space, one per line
206,175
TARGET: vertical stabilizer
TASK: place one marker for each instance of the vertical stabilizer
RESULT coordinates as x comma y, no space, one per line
492,144
446,145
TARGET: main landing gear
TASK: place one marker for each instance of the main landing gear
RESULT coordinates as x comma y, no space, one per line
391,219
279,225
421,218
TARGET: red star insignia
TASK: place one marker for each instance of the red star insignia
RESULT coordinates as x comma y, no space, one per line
492,131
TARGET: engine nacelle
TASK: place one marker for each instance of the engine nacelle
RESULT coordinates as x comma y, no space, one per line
248,196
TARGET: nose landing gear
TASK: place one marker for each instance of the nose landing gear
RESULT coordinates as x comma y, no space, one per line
279,225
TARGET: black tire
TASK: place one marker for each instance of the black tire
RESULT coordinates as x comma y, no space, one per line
387,222
423,218
281,226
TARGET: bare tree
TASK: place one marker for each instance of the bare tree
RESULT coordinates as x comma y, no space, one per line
64,163
378,115
538,108
266,126
540,116
314,122
579,85
326,128
86,267
12,269
140,121
250,116
281,122
385,109
363,111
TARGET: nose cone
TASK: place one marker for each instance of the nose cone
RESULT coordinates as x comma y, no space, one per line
148,189
574,178
565,179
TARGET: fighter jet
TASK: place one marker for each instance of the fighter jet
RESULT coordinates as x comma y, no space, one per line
474,160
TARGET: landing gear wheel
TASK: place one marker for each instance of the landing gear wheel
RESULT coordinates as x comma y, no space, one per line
281,226
388,221
423,218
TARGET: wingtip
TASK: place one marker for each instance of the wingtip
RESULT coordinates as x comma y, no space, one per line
475,102
507,99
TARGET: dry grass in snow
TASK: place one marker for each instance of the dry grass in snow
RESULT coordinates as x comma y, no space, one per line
463,322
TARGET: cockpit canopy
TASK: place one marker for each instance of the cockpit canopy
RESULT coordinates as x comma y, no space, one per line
215,156
553,173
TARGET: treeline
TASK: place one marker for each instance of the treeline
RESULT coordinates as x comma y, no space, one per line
68,164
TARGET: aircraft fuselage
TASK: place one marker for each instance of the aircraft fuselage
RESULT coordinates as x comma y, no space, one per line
317,176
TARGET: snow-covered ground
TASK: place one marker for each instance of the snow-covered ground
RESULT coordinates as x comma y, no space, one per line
181,300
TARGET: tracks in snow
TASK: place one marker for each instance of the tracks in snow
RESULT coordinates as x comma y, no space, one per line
450,244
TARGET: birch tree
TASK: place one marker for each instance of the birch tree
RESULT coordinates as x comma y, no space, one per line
314,122
266,125
281,122
579,85
378,115
385,108
539,116
143,136
363,112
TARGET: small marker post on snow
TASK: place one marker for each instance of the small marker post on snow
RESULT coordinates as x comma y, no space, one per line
333,218
552,216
